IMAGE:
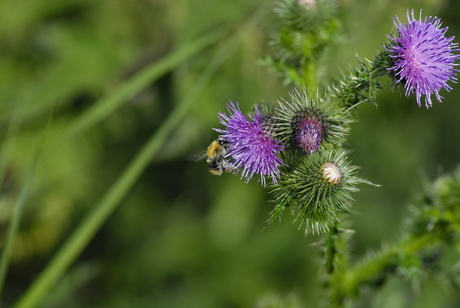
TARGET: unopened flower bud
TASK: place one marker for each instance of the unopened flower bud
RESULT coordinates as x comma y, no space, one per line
318,188
308,122
309,129
307,3
331,173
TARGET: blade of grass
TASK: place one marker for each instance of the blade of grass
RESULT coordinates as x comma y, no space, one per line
101,211
9,140
18,206
5,155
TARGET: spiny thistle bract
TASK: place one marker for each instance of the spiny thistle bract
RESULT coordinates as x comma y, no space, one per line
437,210
317,188
361,84
309,121
422,57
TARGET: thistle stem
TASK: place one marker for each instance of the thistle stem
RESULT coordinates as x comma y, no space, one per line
345,285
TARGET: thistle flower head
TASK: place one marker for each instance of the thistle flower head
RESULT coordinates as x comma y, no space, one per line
253,148
317,189
309,131
422,57
307,122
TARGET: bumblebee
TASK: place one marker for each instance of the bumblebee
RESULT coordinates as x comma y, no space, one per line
215,157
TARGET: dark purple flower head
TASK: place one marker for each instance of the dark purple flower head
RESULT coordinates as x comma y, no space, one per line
310,130
423,58
253,148
309,121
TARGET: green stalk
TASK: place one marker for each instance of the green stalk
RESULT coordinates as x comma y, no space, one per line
363,271
13,226
5,154
347,284
101,211
310,75
18,206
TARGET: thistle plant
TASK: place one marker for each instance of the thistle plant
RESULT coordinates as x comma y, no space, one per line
298,146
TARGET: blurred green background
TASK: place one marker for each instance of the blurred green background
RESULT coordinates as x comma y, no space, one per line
182,237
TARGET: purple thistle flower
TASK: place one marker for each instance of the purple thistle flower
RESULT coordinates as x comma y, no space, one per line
252,146
423,58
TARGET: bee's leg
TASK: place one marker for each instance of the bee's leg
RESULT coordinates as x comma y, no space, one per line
228,167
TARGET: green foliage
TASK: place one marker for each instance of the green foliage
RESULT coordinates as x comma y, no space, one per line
437,209
115,73
274,301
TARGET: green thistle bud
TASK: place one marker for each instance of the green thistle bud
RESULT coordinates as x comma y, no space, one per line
316,190
309,121
300,37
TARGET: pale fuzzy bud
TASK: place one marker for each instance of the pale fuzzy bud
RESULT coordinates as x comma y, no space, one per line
307,3
331,173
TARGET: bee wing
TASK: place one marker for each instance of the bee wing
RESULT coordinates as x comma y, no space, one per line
197,156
